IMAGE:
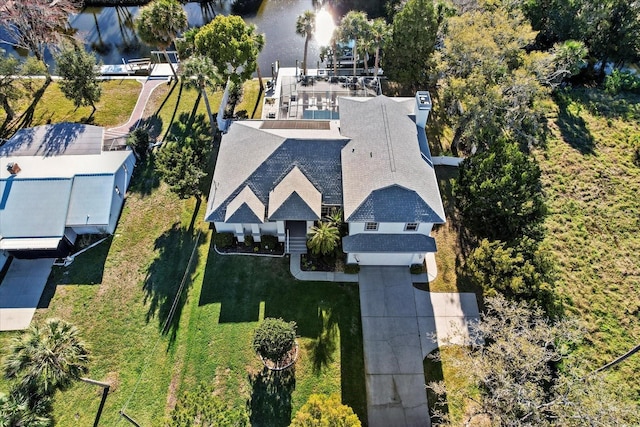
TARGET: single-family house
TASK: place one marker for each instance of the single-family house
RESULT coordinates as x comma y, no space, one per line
59,183
277,177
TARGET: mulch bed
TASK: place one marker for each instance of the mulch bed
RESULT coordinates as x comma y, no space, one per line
310,262
286,362
241,248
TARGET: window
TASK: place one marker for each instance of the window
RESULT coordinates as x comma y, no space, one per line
371,226
411,226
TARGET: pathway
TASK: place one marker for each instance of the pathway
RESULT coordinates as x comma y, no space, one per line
20,292
148,86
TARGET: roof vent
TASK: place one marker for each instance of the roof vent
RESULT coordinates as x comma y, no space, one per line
13,168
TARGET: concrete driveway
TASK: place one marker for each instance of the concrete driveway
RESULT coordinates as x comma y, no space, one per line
397,320
20,292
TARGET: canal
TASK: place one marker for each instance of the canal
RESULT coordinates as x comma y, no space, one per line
109,31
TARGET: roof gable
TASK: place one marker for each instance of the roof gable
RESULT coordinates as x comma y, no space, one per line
294,208
295,183
245,208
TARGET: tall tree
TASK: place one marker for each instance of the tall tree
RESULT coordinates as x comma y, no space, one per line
36,24
232,45
200,72
48,357
353,28
408,54
499,195
19,410
159,23
489,84
379,34
512,356
78,69
306,27
184,161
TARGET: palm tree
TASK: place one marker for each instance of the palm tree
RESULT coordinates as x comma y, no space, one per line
323,238
305,27
159,23
354,26
200,72
18,409
48,357
379,32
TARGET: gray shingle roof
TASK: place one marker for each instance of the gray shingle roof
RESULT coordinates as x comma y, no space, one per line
307,202
258,159
383,243
395,204
384,151
55,140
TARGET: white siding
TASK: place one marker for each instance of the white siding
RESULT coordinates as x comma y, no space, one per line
384,259
222,227
389,228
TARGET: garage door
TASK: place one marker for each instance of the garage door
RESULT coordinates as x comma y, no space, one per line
384,259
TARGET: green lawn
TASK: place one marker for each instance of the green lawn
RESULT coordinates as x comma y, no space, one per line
592,187
115,106
120,295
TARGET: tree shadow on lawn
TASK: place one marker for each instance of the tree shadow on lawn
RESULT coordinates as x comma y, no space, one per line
327,313
573,127
86,269
270,403
165,276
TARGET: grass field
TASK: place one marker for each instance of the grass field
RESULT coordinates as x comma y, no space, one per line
592,186
120,295
115,105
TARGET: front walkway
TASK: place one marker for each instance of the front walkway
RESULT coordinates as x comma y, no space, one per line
20,292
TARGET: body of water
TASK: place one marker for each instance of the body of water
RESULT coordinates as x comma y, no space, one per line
110,33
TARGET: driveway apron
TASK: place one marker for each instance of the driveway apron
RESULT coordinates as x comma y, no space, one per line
393,354
20,292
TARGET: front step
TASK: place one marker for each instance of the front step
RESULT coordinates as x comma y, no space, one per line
297,245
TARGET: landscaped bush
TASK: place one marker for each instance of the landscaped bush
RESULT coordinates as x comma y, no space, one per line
269,242
248,240
352,269
417,268
223,240
274,339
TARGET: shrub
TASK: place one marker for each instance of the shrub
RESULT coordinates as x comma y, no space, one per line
620,81
352,269
138,140
223,240
321,410
269,242
417,268
248,240
274,338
